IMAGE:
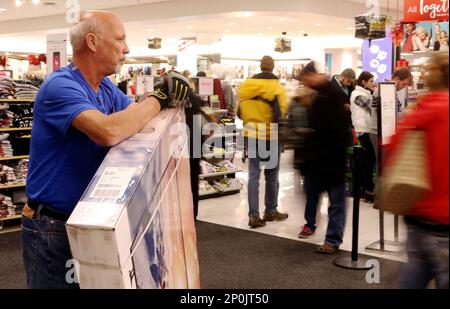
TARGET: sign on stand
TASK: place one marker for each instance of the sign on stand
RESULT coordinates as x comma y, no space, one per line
144,83
56,51
205,86
388,111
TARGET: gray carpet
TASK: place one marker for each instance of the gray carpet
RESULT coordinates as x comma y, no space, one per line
237,259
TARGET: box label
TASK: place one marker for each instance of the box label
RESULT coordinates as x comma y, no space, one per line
113,182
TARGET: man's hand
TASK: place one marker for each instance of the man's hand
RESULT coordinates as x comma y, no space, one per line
172,91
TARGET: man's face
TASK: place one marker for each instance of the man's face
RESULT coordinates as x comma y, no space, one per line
401,84
421,34
346,82
113,48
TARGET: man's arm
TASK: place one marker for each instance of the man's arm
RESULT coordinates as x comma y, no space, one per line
112,129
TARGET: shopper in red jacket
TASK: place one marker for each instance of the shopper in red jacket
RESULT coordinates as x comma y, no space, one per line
428,234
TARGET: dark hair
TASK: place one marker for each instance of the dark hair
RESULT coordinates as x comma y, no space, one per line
364,76
201,74
402,74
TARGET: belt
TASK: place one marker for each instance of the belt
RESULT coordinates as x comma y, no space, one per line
45,210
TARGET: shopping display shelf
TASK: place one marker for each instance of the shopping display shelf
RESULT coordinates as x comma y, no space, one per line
14,158
11,217
218,194
219,174
225,135
15,129
16,185
10,229
17,100
227,155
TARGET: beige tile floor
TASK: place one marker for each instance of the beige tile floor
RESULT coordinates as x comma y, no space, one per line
232,211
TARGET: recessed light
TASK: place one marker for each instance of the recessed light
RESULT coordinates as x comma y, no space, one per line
318,24
36,1
151,30
232,24
302,31
227,30
282,19
269,27
19,2
190,27
2,9
245,14
349,28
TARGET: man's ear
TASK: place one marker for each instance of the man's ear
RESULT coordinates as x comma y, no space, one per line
91,42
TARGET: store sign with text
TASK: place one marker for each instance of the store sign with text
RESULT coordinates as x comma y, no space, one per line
422,10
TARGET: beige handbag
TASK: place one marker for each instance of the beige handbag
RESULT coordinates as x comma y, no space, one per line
405,181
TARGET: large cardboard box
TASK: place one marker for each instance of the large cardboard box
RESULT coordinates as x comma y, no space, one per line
134,225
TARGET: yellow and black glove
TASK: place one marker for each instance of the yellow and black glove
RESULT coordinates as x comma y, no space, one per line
172,91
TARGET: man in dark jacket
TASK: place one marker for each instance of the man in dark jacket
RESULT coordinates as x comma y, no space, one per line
343,85
324,165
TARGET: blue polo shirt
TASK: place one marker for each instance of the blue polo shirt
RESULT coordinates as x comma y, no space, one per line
63,160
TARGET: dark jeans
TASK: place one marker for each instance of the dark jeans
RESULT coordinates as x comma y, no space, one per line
336,210
427,259
369,163
195,171
46,252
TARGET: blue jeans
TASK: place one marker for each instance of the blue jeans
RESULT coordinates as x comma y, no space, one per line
256,162
427,259
336,210
46,251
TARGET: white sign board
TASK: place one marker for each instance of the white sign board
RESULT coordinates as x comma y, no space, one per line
144,83
56,51
205,86
388,111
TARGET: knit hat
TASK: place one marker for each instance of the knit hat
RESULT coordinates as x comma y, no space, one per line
267,64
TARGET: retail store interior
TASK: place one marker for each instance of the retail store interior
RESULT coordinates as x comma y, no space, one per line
226,40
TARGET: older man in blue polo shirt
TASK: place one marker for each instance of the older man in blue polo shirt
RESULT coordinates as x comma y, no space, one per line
78,115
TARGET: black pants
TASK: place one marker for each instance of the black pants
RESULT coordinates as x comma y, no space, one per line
195,171
369,163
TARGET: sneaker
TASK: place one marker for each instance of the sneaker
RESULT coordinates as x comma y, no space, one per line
306,232
276,216
327,249
255,222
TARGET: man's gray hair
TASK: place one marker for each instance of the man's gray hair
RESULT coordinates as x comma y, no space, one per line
79,31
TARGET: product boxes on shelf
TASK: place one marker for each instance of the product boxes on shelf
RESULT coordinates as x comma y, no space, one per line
134,225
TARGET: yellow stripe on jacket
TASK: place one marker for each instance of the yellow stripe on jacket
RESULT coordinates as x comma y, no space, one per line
256,114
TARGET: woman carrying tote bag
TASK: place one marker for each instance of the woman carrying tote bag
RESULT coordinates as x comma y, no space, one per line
427,217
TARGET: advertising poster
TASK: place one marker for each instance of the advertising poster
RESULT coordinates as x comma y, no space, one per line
144,83
56,51
377,58
425,36
387,111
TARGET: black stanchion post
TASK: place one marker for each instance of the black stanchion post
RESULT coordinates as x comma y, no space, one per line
353,261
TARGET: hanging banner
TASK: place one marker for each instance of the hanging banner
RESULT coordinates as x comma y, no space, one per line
423,10
377,58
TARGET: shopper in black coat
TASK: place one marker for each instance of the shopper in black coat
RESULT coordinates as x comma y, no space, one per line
325,158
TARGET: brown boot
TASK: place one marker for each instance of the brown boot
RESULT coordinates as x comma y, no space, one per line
255,222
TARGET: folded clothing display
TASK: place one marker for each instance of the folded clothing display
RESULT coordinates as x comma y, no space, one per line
19,89
7,208
7,90
220,167
22,115
5,146
16,174
204,187
228,184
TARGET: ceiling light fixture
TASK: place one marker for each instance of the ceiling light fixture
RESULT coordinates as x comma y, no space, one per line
19,2
282,19
36,1
318,24
349,28
269,27
2,10
227,30
232,24
190,27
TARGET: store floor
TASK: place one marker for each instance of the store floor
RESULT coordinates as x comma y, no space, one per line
232,211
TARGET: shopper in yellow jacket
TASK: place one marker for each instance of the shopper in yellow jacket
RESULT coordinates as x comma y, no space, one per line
262,104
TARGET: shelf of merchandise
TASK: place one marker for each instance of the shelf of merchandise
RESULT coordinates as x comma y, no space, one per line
14,129
14,158
219,174
17,185
16,100
218,194
11,217
10,229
